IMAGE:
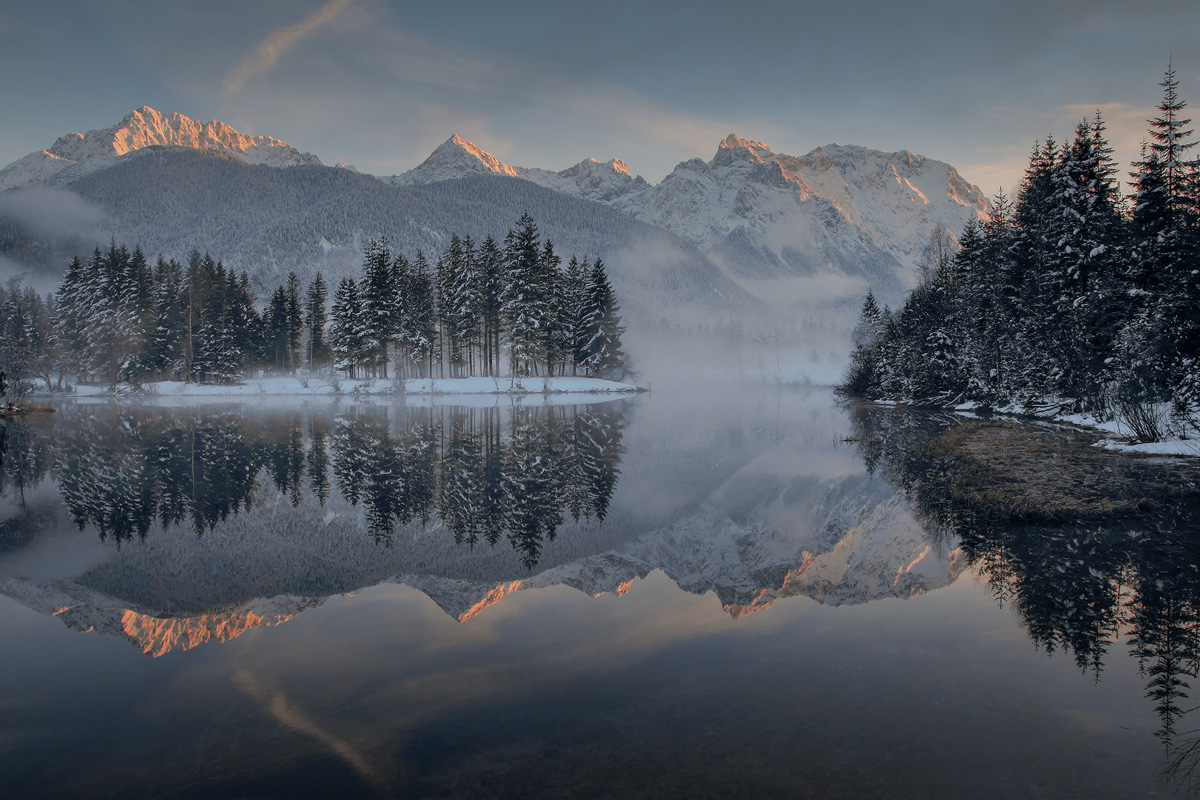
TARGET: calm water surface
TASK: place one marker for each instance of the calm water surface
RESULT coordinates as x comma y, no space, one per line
669,596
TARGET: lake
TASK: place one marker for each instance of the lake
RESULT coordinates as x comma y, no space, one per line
680,594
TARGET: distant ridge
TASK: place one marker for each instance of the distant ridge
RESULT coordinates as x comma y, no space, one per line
78,154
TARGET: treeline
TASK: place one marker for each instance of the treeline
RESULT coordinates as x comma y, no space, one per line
1071,295
480,310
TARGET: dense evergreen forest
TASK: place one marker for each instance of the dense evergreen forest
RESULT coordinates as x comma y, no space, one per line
1070,297
481,309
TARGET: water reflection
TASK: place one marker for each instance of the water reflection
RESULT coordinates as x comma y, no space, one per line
487,473
1082,575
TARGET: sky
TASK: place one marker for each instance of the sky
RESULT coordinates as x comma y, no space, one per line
547,84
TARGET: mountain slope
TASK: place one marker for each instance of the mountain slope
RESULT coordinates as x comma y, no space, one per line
309,218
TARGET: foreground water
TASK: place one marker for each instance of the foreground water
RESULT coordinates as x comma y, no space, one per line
666,596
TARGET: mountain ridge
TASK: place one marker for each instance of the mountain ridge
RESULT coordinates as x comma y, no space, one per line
761,225
79,154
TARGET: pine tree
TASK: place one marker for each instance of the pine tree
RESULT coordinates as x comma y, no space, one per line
421,317
575,333
293,322
553,309
347,330
169,318
314,323
489,276
378,293
862,375
604,357
523,295
70,308
1162,344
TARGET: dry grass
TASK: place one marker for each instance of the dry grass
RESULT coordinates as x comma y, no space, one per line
1030,472
25,407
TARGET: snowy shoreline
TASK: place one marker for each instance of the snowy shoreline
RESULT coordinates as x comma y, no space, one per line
1171,445
333,388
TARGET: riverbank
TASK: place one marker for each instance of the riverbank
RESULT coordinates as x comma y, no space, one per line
1032,471
20,409
1172,435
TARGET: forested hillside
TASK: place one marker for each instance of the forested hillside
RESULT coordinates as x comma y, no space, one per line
1070,296
309,219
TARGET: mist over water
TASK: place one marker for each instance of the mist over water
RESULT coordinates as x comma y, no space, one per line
708,590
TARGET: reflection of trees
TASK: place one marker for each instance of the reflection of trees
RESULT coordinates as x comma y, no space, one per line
487,472
24,457
122,470
1078,587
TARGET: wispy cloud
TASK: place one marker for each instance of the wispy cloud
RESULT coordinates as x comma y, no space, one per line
502,95
270,49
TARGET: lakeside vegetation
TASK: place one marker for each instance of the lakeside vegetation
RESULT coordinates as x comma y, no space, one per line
486,309
1070,297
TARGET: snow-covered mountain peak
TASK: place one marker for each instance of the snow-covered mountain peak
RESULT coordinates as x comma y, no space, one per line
616,166
455,158
78,154
732,149
733,142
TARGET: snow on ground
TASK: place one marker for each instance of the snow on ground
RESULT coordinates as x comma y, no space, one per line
560,388
1169,447
1174,441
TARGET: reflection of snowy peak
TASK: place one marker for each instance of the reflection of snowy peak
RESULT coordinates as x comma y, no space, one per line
76,154
846,542
89,611
761,537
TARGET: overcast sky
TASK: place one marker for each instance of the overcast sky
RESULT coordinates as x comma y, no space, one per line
547,84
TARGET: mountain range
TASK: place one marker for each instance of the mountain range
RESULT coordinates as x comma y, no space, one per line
740,235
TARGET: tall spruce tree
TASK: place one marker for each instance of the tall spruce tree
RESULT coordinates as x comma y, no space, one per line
314,323
523,296
605,356
379,304
347,335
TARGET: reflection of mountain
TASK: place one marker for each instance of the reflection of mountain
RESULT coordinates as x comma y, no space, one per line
153,633
848,541
844,542
764,520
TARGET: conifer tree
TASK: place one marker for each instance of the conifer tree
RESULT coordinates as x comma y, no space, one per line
604,354
421,316
489,274
293,321
575,332
346,334
522,295
378,293
314,323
